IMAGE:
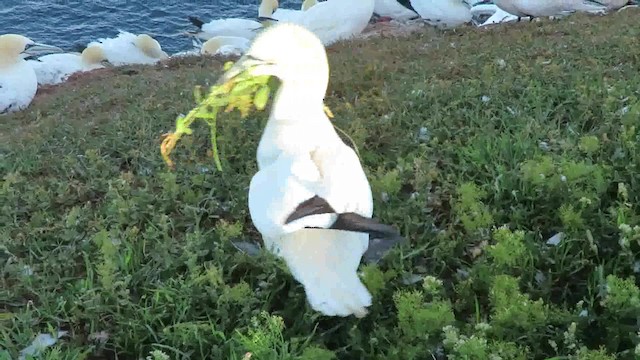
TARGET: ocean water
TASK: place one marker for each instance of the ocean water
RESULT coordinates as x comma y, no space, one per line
72,23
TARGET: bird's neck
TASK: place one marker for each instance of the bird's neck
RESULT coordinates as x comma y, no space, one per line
7,62
297,124
293,101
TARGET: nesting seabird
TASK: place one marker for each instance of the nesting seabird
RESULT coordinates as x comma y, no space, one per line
18,82
225,45
56,68
128,49
310,199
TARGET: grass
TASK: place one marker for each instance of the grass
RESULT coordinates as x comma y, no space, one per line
486,143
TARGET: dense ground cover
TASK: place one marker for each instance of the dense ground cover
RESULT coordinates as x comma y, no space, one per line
481,146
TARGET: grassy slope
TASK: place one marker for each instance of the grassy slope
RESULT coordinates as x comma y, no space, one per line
116,243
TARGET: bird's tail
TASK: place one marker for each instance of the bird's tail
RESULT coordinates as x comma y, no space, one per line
326,263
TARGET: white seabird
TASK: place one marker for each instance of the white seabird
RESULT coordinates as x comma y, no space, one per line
443,13
310,199
335,20
56,68
128,48
546,8
225,45
18,82
239,27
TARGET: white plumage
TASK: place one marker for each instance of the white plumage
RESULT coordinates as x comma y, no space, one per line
443,13
394,10
128,48
300,156
225,45
56,68
245,28
290,15
18,82
499,16
613,4
237,27
335,20
544,8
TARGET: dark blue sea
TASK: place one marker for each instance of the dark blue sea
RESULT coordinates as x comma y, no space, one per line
69,24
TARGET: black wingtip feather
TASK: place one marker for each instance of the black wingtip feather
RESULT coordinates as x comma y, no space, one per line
266,18
313,206
359,223
197,22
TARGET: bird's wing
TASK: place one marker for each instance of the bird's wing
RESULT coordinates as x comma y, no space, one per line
325,189
278,189
56,68
7,98
232,27
332,20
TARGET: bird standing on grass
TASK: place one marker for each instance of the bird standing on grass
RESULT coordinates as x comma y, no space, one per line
310,199
546,8
18,82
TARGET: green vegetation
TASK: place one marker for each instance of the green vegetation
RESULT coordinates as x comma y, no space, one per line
486,142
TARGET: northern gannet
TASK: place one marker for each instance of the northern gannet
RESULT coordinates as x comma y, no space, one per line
18,82
286,14
443,13
239,27
310,198
128,48
225,45
546,8
56,68
335,20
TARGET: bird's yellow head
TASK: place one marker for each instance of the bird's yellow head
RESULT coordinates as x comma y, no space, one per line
289,52
12,46
150,47
267,7
94,55
211,46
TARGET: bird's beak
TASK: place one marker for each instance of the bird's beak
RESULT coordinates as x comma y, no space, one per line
246,62
37,49
266,18
483,2
266,21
